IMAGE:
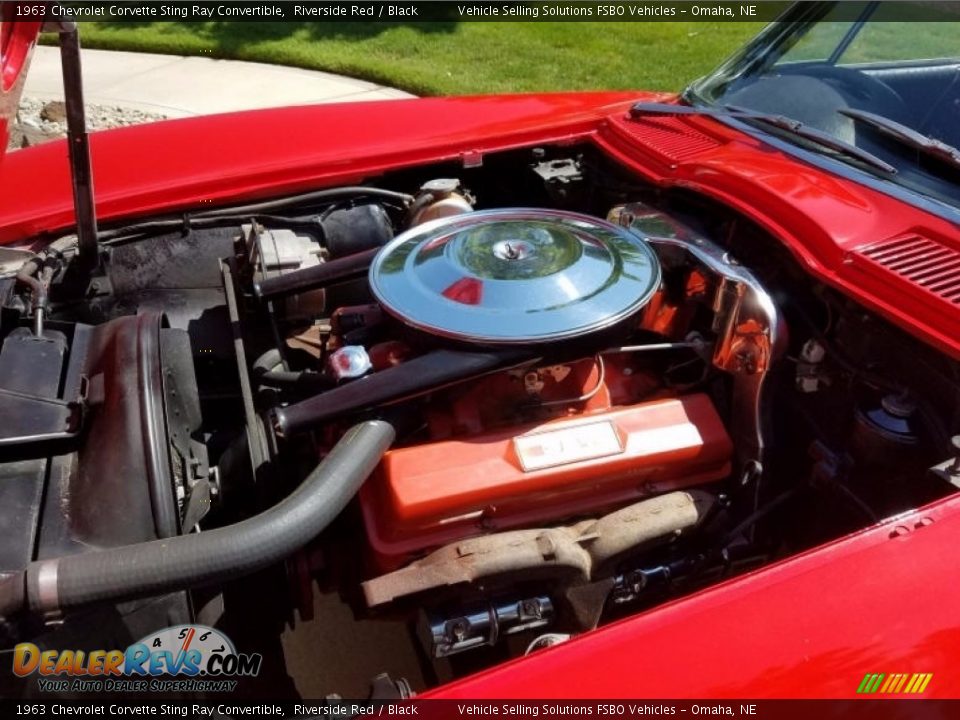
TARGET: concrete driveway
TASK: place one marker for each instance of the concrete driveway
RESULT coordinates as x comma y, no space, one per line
176,86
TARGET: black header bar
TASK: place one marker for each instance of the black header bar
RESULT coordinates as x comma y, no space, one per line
452,10
227,708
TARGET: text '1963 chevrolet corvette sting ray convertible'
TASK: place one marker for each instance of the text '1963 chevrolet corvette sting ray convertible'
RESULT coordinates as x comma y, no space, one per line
613,394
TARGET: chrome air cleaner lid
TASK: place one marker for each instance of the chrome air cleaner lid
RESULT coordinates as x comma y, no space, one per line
514,276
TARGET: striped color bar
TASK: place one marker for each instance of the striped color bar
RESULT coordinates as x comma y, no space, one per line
894,683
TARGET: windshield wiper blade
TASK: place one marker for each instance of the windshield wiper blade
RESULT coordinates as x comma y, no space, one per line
906,136
781,122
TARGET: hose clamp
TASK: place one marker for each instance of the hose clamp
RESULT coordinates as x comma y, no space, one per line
42,591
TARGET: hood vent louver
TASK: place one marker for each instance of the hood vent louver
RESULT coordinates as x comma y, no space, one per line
671,138
926,263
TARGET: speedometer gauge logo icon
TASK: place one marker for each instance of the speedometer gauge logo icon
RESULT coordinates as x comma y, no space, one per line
189,650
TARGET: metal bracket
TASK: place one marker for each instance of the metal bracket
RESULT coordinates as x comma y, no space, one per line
749,326
26,418
202,490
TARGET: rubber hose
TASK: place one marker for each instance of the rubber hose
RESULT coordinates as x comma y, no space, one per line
227,553
287,377
318,196
26,277
33,266
265,369
12,594
266,363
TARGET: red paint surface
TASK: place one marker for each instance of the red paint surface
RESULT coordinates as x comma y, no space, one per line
260,153
16,44
823,219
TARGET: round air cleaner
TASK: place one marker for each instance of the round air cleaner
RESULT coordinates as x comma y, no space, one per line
514,276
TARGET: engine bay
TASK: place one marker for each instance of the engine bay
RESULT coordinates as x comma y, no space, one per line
493,407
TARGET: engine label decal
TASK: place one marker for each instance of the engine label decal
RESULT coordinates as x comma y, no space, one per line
550,448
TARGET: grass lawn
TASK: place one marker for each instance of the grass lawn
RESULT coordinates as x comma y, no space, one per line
444,58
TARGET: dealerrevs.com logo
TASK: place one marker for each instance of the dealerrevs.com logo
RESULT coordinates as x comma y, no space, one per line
175,659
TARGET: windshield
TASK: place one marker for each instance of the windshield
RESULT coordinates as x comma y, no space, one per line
864,73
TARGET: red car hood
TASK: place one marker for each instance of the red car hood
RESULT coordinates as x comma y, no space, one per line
216,158
16,46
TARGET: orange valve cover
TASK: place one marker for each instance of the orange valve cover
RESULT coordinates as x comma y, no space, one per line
427,495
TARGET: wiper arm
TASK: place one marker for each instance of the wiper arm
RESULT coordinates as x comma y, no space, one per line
906,136
781,122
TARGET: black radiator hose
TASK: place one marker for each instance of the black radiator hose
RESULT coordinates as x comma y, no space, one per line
212,556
